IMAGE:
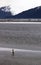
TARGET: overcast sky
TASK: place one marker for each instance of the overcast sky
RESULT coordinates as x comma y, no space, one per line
18,6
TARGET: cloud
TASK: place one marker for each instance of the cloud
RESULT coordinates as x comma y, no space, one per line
5,2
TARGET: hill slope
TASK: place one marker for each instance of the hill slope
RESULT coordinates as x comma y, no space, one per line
31,13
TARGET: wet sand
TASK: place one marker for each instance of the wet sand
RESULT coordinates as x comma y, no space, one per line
22,36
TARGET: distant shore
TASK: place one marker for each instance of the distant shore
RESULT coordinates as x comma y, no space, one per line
20,20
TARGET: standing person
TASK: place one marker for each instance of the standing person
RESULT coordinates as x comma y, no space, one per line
12,52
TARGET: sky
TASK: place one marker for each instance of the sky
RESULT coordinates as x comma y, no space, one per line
18,6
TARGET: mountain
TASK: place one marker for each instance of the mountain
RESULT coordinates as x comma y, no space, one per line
5,12
31,13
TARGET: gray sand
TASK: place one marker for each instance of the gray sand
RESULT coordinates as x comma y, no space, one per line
23,36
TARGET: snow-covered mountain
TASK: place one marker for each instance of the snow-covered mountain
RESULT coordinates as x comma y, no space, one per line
5,12
5,9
